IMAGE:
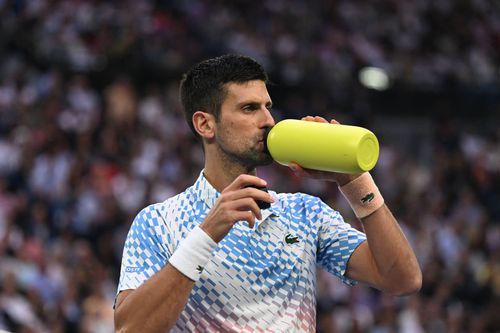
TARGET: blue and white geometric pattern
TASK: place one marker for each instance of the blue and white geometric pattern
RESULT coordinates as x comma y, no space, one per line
258,280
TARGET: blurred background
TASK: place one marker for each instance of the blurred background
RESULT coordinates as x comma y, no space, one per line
91,131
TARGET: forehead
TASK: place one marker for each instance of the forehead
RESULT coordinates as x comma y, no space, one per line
250,91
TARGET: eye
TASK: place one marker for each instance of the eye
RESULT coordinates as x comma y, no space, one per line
250,107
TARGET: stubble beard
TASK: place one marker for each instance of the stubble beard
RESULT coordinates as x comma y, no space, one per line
249,158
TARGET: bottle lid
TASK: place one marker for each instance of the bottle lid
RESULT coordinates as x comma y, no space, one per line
368,151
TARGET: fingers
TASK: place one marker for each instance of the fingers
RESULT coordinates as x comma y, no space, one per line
297,169
245,206
245,180
300,171
308,173
237,202
307,118
241,196
245,186
245,200
249,217
319,119
248,192
232,211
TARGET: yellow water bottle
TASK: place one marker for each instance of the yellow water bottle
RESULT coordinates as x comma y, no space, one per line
323,146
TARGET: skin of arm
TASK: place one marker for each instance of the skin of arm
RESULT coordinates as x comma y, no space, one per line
385,260
156,305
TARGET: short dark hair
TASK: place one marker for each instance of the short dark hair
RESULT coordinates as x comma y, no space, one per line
202,87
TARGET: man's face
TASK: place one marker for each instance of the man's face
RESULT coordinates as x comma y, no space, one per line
243,120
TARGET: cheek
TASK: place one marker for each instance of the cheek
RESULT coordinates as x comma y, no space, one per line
233,139
234,128
235,131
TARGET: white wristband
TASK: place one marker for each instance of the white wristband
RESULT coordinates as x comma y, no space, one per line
193,253
363,195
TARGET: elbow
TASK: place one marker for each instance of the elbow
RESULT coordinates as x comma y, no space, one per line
133,325
410,289
127,329
120,329
411,285
121,326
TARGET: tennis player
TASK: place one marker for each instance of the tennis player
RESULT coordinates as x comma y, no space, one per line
214,258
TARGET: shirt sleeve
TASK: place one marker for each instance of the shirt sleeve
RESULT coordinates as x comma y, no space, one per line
337,241
144,254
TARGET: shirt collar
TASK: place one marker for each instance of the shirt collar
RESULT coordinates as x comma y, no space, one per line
206,192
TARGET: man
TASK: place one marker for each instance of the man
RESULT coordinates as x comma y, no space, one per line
210,260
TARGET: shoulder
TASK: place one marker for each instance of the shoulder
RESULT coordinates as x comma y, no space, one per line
157,213
173,204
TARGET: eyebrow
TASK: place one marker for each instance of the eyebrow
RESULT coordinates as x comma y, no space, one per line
253,104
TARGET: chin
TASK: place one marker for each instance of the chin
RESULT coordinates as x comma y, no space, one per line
265,159
255,158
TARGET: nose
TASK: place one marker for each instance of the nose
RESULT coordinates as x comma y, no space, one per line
267,118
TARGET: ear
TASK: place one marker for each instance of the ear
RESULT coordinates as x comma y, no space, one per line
204,124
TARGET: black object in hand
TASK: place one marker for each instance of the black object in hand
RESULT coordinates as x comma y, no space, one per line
260,203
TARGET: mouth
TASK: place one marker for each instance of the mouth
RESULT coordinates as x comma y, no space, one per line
263,139
263,145
264,135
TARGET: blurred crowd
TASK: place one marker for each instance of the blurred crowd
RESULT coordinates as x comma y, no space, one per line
91,131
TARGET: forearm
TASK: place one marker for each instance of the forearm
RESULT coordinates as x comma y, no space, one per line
397,268
156,305
386,261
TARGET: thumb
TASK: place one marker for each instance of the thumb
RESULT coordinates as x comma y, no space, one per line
297,169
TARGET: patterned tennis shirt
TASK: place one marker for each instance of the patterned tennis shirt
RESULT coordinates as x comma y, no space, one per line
258,280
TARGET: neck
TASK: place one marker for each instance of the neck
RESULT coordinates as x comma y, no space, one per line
220,170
